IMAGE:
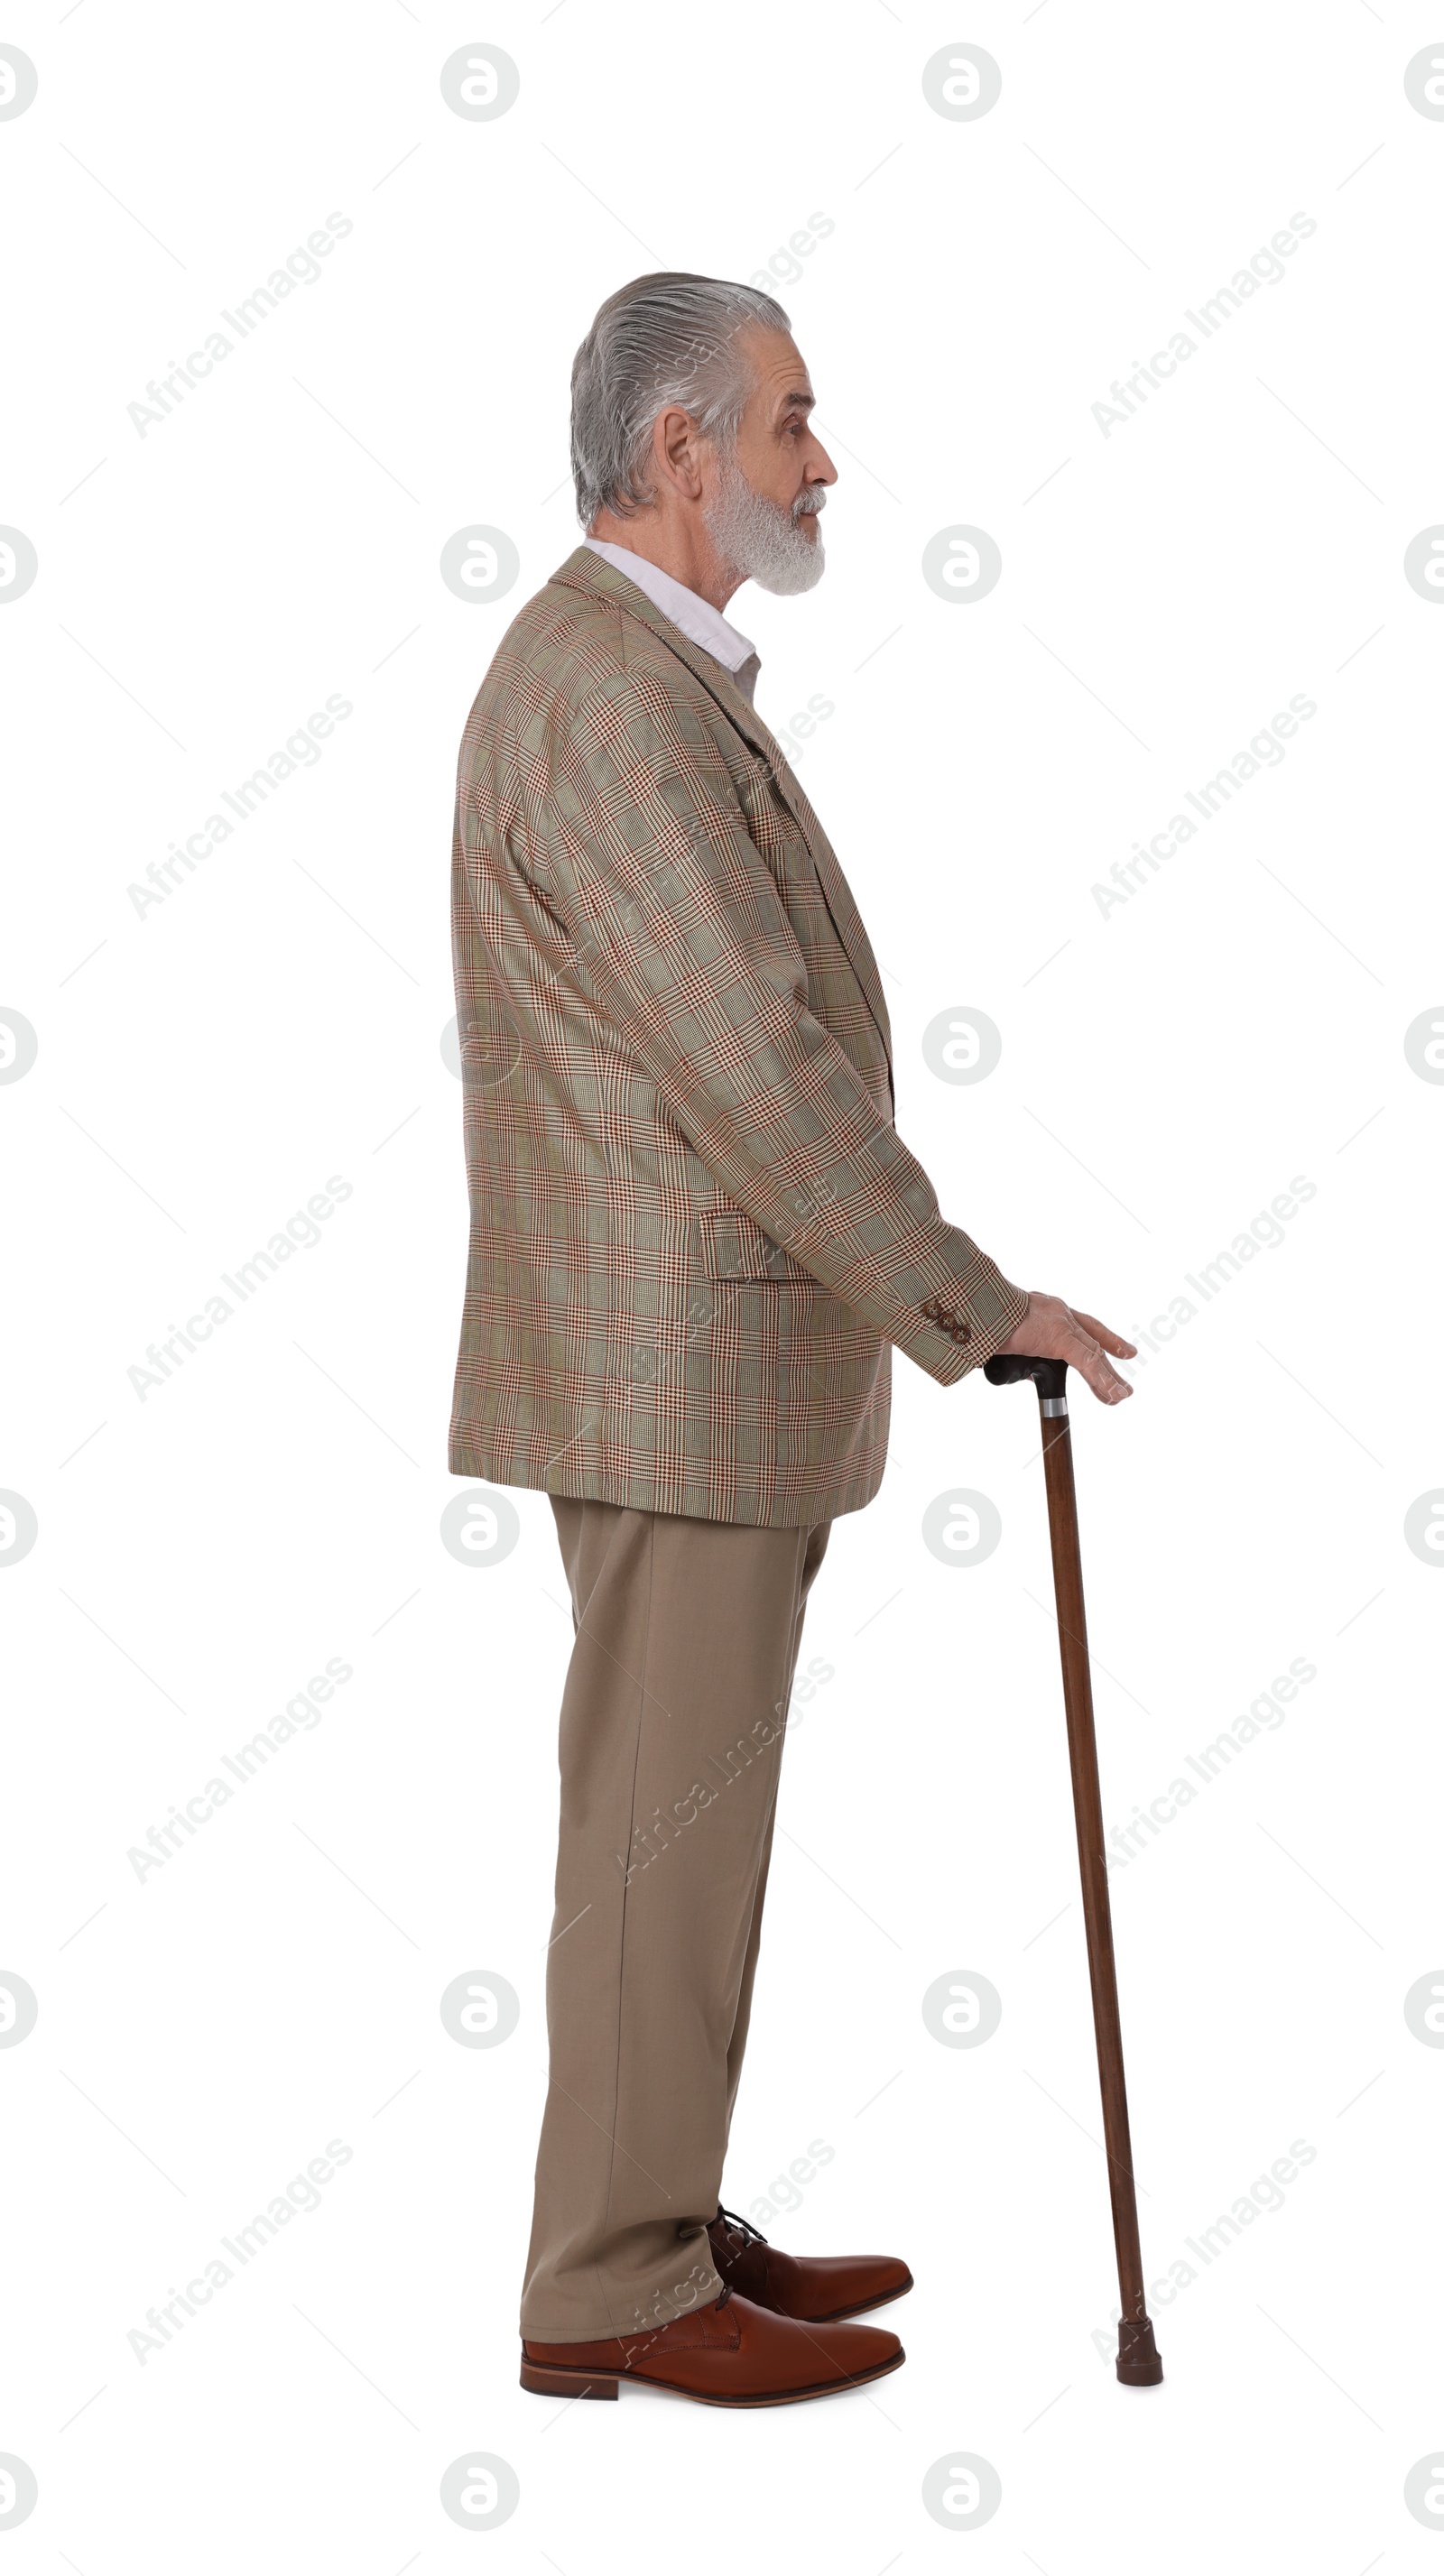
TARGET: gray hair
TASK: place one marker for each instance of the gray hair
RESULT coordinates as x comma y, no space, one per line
664,339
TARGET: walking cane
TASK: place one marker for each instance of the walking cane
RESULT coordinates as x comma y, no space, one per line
1138,2363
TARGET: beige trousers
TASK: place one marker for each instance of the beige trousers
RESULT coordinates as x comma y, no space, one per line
672,1726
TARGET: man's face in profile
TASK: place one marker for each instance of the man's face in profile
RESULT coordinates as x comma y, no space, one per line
762,511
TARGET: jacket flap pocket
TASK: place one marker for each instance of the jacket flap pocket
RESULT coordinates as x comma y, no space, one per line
735,1246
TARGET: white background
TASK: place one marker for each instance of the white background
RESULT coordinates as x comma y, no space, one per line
1167,1069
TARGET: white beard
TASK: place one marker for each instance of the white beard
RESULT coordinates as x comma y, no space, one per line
761,540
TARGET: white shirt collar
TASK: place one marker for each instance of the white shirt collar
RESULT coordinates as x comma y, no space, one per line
699,621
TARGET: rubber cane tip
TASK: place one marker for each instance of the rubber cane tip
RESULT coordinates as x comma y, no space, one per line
1139,2365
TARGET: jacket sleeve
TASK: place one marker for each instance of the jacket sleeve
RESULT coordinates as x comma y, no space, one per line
681,938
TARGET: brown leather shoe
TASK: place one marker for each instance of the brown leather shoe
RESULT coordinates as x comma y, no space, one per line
729,2353
814,2288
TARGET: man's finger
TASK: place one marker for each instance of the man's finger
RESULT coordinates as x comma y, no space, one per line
1110,1340
1092,1364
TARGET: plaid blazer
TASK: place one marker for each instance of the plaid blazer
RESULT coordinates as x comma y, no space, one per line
695,1231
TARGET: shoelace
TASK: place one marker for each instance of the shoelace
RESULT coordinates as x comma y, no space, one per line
752,2235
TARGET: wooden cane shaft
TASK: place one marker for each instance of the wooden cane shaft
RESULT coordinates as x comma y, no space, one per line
1088,1813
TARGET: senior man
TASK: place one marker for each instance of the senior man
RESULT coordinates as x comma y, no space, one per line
695,1235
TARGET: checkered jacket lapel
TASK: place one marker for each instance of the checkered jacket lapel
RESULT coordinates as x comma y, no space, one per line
588,572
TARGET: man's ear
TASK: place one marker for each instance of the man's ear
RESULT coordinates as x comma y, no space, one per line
674,452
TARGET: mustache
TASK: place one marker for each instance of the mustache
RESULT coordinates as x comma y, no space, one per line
808,503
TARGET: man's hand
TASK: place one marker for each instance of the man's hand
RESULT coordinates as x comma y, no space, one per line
1052,1331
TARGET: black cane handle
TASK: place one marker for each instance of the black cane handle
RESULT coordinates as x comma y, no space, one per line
1010,1368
